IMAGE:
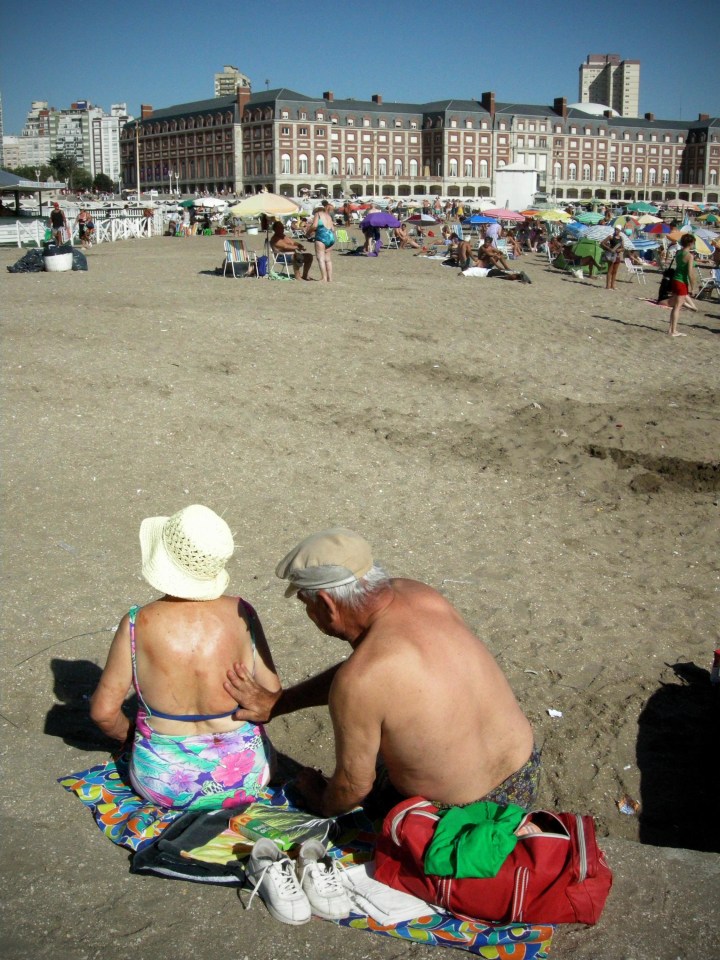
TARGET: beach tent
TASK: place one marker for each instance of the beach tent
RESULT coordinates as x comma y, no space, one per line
12,184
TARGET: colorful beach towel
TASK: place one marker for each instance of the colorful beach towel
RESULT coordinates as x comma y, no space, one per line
129,821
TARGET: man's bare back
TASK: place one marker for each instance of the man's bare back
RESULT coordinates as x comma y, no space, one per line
448,725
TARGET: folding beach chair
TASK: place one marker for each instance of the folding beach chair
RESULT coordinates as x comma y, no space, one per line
282,262
237,257
635,270
392,242
708,284
342,238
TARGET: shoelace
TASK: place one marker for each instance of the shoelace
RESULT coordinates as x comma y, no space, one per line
326,878
286,878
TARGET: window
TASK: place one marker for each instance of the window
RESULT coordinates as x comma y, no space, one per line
413,124
573,144
638,175
285,131
285,163
350,166
665,176
320,165
350,122
366,166
382,167
398,138
468,124
351,137
652,175
303,115
572,172
453,123
413,168
468,168
612,174
320,132
302,163
640,136
334,167
625,175
586,171
601,171
398,167
319,115
573,129
302,131
258,166
366,121
381,123
521,141
453,167
398,123
712,178
483,169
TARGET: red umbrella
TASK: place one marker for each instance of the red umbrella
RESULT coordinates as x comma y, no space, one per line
657,228
502,213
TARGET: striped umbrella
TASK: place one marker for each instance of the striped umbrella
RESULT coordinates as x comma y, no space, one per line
590,217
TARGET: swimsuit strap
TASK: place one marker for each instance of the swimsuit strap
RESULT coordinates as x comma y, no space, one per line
132,613
252,617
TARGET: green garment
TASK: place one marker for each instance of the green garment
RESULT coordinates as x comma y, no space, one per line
473,841
682,267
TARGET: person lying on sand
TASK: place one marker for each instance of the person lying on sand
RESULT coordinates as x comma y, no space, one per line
418,689
482,272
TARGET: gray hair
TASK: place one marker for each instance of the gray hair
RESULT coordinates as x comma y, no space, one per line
356,594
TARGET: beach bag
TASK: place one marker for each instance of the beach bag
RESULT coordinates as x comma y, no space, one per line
558,876
666,282
262,266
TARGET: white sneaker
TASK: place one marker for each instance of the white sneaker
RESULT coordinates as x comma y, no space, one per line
322,883
273,876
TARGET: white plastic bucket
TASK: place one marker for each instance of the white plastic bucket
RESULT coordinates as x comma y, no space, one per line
252,230
58,262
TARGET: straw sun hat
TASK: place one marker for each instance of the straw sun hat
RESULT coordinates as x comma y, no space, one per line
185,555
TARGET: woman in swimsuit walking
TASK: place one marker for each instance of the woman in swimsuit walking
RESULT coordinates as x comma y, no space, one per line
188,751
322,227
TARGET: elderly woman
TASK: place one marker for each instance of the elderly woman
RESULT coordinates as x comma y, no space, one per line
188,751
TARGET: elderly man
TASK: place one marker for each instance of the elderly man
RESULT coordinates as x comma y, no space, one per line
280,243
419,690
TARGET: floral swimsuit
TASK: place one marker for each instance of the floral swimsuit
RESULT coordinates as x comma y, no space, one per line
200,772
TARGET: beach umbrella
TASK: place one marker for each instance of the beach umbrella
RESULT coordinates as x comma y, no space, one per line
590,248
659,227
380,219
502,213
421,220
648,218
187,203
555,216
210,202
642,206
705,234
600,231
624,221
645,243
589,218
478,218
271,204
532,212
710,218
576,229
701,247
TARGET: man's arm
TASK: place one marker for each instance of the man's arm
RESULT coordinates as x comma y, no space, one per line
260,705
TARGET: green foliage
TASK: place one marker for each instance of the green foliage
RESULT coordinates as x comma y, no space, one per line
30,173
103,184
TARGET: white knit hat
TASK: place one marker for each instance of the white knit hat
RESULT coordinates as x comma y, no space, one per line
185,555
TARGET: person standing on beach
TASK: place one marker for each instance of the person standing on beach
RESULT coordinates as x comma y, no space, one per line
323,229
420,707
683,282
59,225
612,253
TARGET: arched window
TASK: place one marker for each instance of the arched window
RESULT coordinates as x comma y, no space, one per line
382,167
586,171
483,168
638,175
398,167
350,166
665,176
285,163
468,168
258,165
366,166
612,174
713,178
625,175
557,170
302,163
334,167
601,171
453,167
269,164
652,175
413,168
320,165
572,172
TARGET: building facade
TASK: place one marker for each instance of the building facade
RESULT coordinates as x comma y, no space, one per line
289,143
606,79
229,82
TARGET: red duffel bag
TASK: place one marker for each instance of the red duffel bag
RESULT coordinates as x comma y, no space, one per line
557,876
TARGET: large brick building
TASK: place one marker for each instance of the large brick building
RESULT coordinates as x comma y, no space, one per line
287,142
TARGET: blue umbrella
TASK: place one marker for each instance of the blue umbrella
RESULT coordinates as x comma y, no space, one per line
380,219
577,229
478,218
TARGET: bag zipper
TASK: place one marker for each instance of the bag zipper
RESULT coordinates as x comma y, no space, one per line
582,847
398,818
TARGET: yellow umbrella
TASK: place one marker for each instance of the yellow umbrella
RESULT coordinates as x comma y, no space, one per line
558,216
702,248
271,204
649,218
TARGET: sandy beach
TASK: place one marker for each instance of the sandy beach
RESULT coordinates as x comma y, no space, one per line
545,455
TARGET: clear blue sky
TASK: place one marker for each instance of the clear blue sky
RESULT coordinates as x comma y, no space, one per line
164,53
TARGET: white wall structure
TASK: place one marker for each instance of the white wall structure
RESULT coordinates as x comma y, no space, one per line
515,186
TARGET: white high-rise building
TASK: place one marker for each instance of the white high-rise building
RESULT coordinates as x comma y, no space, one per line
106,141
227,82
608,80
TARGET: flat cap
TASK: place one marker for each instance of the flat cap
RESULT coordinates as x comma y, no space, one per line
331,558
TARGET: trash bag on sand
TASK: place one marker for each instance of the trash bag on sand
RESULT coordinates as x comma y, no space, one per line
34,260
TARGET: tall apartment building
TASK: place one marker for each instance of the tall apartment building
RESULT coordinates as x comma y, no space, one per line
229,81
105,134
287,142
615,83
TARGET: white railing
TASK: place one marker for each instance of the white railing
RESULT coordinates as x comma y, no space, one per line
114,225
28,231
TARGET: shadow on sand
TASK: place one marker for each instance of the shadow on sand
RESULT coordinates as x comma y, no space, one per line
677,758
